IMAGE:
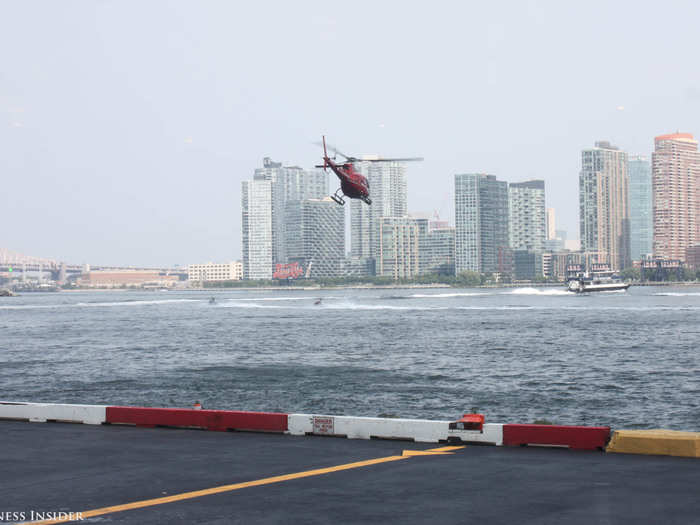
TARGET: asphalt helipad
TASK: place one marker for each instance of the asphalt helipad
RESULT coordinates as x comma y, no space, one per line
121,474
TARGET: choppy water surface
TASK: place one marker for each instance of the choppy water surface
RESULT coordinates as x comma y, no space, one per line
625,359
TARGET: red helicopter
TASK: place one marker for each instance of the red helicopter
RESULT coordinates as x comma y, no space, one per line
352,183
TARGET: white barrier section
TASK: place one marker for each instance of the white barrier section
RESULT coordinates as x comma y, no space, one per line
419,430
41,412
492,434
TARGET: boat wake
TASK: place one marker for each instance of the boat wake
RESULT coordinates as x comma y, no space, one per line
139,303
536,291
95,304
678,294
443,295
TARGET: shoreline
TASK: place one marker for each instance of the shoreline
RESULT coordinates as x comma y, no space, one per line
353,287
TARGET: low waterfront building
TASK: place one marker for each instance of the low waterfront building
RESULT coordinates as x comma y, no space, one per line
230,271
127,279
555,264
527,265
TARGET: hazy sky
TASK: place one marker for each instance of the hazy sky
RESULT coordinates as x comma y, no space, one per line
126,128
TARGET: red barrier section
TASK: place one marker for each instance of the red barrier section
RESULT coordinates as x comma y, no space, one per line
208,419
584,438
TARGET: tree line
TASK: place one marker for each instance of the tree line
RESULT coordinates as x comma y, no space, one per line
464,279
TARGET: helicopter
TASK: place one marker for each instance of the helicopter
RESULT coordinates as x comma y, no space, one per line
353,184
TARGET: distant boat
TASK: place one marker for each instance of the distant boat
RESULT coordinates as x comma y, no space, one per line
318,301
596,282
212,300
6,293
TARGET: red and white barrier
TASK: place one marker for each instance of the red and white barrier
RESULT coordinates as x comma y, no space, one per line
419,430
220,420
575,437
43,412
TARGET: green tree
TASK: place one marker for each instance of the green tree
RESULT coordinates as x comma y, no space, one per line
469,278
689,274
486,278
631,274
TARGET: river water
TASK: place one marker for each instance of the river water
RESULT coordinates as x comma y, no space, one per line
625,359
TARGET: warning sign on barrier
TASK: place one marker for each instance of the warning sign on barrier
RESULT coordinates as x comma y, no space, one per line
323,425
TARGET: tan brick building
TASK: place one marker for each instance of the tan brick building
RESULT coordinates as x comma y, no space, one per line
676,194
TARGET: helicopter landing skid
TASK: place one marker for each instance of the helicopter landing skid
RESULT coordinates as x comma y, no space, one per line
338,198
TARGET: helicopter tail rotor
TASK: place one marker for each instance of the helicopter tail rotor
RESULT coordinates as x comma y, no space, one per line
333,149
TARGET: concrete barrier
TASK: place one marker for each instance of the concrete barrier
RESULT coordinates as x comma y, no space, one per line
656,442
418,430
575,437
221,420
492,435
43,412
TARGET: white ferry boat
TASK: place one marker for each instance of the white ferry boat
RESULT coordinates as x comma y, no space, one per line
596,282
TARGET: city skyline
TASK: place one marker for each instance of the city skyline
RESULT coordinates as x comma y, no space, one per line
390,188
132,151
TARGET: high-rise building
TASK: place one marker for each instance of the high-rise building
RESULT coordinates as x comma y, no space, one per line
256,205
398,247
467,224
603,205
357,266
676,194
300,184
315,234
288,183
481,223
360,238
641,209
551,224
528,222
272,172
388,191
692,257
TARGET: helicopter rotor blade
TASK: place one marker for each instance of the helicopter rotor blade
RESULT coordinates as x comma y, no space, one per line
398,159
333,149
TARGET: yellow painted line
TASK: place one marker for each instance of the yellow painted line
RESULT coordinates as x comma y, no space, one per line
446,449
442,451
425,453
236,486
